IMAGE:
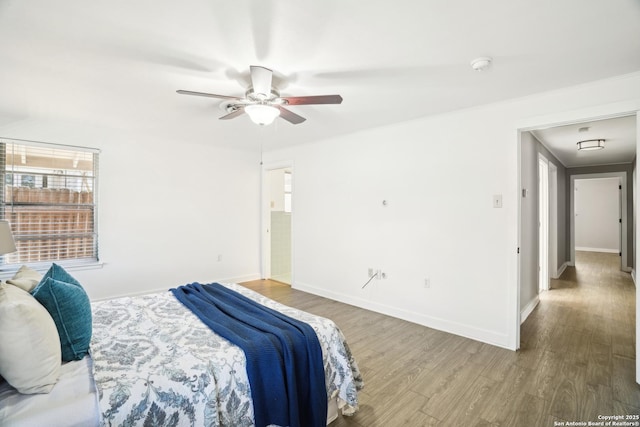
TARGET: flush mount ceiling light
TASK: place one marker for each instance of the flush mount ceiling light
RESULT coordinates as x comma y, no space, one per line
591,144
481,63
262,114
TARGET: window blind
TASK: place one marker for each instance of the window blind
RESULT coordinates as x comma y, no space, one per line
49,198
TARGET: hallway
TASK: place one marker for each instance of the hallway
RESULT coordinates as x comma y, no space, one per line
583,332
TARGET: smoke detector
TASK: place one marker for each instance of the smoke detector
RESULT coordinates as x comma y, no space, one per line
481,63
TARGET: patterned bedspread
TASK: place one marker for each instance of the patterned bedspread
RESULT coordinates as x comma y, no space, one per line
157,364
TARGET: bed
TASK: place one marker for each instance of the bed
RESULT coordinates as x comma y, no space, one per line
154,362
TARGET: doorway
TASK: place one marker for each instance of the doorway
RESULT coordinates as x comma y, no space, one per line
543,223
554,273
598,215
617,212
277,247
566,245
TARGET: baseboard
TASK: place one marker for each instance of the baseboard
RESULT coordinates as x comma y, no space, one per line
237,279
463,330
240,279
131,294
561,270
633,276
605,250
525,312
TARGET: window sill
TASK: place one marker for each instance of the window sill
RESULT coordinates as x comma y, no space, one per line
7,272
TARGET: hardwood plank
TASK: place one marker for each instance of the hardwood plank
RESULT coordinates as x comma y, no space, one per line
577,358
625,389
446,393
507,394
546,376
404,410
529,411
472,402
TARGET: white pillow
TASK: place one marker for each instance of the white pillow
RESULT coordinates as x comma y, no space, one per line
26,278
30,355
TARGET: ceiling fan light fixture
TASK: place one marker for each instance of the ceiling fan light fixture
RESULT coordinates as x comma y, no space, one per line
590,144
262,114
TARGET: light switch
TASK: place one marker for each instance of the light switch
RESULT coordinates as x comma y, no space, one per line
497,201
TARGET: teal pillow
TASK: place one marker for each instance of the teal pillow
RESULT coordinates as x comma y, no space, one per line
69,306
59,273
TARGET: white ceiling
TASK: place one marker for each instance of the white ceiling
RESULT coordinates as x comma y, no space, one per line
116,64
619,145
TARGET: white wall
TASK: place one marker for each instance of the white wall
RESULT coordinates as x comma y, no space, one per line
438,175
276,184
167,209
597,214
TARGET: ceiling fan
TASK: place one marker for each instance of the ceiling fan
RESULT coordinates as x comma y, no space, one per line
262,102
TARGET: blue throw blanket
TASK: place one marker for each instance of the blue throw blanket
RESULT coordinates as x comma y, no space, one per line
284,357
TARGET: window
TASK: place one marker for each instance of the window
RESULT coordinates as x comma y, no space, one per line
49,198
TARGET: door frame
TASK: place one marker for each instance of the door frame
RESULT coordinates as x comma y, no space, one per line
583,115
623,214
553,221
543,223
265,217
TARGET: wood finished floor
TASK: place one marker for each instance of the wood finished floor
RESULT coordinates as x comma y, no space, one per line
577,358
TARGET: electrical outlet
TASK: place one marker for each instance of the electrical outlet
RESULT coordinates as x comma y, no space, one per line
427,283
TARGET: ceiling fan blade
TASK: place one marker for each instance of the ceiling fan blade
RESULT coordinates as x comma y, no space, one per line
290,116
261,80
209,95
305,100
233,114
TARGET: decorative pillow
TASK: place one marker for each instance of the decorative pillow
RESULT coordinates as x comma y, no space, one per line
59,273
26,278
30,355
69,306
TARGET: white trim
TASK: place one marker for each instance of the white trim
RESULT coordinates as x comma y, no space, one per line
543,224
265,216
463,330
525,312
237,279
553,220
605,250
559,118
572,216
8,272
561,270
633,276
635,247
514,294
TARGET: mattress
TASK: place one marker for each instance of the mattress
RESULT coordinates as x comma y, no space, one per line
73,401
